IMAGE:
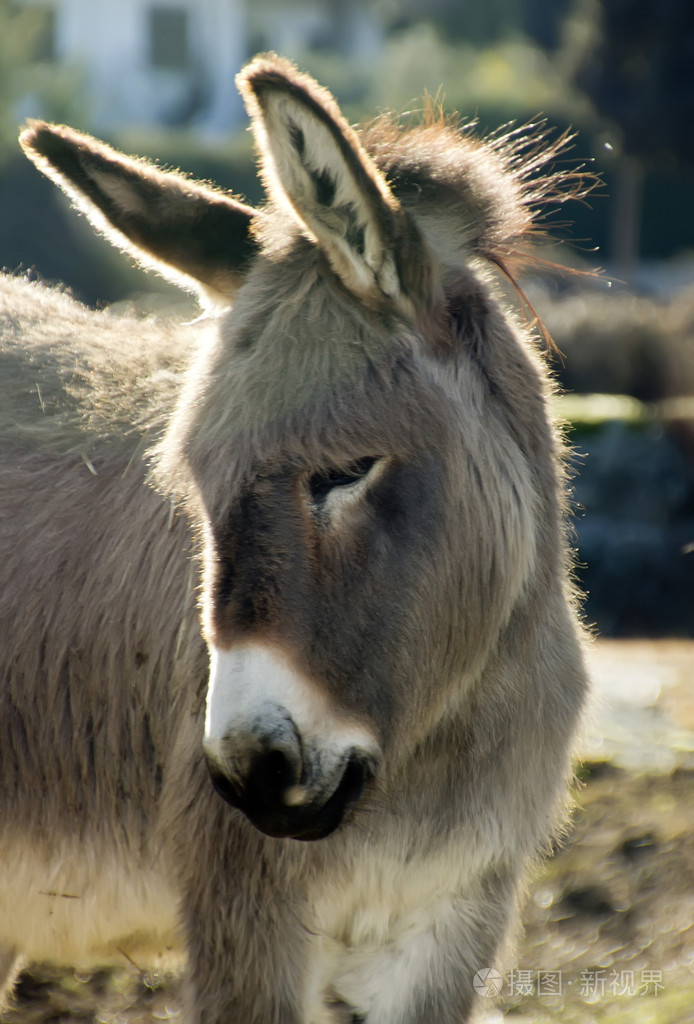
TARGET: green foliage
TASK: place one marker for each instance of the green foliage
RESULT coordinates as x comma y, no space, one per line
512,79
19,28
57,93
29,80
471,22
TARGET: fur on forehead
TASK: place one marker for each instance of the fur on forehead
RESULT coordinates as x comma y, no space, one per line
299,373
279,372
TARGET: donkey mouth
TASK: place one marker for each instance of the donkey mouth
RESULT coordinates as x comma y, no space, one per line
307,822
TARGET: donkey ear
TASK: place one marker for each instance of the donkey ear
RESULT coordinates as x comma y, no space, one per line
196,236
315,161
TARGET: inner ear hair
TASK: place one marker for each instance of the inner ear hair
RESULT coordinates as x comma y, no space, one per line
312,160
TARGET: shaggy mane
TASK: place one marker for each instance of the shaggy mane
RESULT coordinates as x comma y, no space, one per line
509,180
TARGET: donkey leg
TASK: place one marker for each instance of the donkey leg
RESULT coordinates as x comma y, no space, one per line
241,911
429,975
241,902
472,932
246,960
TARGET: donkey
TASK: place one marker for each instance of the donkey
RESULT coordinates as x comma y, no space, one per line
379,670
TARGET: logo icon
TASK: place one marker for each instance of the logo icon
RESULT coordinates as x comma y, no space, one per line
487,982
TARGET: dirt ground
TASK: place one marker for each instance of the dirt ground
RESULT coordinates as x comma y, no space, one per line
608,923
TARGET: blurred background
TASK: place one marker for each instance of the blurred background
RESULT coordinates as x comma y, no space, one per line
157,79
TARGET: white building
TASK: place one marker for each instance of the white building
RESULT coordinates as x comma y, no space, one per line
146,62
173,62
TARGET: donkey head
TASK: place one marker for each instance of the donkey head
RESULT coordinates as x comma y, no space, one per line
361,441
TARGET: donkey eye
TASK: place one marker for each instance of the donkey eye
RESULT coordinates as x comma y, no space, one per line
320,484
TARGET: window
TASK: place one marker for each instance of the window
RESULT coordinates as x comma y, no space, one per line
168,38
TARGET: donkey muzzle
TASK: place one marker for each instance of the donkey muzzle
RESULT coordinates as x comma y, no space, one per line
285,797
278,749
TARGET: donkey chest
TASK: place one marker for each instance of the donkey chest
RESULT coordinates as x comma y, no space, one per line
381,896
378,919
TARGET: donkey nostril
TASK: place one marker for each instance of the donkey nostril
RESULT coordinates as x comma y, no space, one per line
273,772
282,804
279,768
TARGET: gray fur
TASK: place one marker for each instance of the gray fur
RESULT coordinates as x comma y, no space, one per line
432,610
